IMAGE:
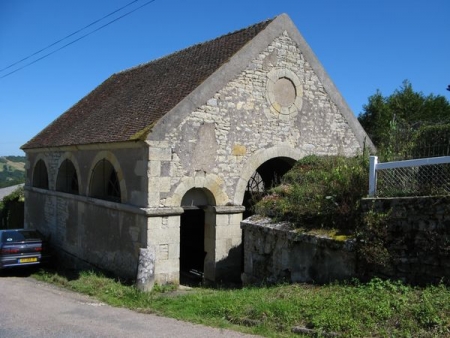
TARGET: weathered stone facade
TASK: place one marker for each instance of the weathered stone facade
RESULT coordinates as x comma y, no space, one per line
268,105
103,233
220,137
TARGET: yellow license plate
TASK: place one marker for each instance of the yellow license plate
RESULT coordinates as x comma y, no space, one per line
28,260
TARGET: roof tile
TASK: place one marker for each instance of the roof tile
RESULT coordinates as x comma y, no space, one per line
128,102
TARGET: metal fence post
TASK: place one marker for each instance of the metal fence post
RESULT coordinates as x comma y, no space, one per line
373,175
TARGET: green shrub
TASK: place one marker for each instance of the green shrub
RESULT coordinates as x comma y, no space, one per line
320,192
12,210
372,252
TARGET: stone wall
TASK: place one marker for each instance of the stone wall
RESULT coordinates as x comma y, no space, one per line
416,238
411,243
217,145
104,234
274,252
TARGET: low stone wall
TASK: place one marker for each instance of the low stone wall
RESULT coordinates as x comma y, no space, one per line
88,232
274,252
404,239
416,238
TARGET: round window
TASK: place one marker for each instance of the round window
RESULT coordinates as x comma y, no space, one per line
284,92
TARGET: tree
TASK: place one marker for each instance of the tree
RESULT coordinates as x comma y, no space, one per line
391,121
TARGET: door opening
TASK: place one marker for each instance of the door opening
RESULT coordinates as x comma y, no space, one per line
192,246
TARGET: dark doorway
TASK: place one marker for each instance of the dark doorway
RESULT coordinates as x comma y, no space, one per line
192,246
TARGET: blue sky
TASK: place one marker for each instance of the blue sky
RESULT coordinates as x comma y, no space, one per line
364,45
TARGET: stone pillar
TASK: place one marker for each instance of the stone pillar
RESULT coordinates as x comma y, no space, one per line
210,245
163,237
228,243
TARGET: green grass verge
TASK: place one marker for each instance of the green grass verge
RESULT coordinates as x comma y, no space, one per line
376,309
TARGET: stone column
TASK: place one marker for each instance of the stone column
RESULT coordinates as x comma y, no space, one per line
228,243
163,238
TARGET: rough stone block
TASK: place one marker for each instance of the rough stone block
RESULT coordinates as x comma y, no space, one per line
146,270
154,168
160,154
153,198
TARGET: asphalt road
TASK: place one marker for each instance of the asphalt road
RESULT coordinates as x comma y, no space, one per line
29,308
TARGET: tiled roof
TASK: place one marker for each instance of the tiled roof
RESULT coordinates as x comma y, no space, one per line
128,103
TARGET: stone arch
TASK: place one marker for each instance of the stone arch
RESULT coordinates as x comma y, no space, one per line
68,177
108,158
212,183
40,177
197,197
257,160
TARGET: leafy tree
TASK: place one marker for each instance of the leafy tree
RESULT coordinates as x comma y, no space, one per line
392,121
10,178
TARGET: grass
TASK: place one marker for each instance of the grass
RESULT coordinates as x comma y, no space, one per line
375,309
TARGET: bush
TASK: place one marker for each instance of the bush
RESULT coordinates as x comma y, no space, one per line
12,210
319,192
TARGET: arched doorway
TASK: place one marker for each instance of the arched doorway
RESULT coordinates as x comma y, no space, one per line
266,176
196,239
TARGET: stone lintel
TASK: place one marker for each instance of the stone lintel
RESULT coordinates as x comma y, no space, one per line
229,209
165,211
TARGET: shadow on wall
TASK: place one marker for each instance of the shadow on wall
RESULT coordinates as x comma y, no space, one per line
229,269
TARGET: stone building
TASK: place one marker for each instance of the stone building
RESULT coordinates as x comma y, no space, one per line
165,156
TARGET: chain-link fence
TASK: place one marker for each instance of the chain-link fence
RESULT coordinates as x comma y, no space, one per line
423,177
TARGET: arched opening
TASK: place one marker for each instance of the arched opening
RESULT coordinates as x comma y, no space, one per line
196,235
265,177
40,175
67,180
104,182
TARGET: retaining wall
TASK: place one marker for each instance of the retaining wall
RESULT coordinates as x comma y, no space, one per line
275,252
417,238
415,247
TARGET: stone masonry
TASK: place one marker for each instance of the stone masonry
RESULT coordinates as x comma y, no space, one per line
214,144
270,101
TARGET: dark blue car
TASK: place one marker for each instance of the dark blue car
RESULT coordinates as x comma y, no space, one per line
21,247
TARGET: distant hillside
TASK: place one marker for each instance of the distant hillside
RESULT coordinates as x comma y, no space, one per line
12,170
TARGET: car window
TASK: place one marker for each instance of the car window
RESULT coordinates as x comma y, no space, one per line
19,236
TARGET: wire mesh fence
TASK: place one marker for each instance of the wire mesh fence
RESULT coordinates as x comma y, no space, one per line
418,177
424,180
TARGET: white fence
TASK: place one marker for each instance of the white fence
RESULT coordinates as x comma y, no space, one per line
407,175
